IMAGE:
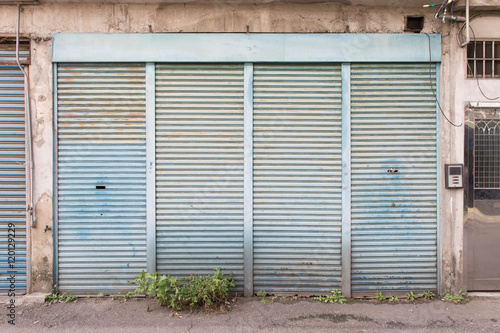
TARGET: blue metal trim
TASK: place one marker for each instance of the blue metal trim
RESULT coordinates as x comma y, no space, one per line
346,180
150,168
26,170
438,179
204,47
248,181
55,222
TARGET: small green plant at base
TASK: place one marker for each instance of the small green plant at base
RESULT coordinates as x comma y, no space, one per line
262,295
100,294
295,298
394,299
335,297
456,299
128,296
379,296
56,297
194,291
411,296
428,295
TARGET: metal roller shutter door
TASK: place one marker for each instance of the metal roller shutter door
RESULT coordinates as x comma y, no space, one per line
101,176
297,178
12,167
12,175
394,215
199,169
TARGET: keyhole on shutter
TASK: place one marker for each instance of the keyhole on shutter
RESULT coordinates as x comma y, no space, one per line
100,187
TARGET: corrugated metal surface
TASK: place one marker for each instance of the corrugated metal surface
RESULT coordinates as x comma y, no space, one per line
12,177
199,166
297,178
8,52
101,176
393,213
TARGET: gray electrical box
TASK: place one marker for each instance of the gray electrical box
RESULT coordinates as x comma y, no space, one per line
454,175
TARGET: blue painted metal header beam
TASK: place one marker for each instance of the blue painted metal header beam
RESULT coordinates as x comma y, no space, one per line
70,47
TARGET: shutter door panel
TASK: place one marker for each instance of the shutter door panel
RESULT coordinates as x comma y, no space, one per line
199,169
394,215
101,176
297,178
12,176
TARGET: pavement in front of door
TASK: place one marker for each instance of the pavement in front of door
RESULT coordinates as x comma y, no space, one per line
251,315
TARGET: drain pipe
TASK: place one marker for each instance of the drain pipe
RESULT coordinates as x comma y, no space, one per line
467,24
27,100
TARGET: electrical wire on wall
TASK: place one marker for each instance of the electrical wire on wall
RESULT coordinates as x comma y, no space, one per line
29,147
445,6
445,11
432,87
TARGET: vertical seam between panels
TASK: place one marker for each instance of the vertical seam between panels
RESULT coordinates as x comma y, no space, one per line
150,169
248,179
346,180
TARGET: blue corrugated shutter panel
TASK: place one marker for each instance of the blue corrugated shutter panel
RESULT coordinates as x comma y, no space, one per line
297,178
12,173
394,214
101,176
199,169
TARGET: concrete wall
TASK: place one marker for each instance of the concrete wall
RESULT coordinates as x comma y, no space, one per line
40,21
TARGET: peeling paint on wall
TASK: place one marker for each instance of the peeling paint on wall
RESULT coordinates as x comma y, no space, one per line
42,256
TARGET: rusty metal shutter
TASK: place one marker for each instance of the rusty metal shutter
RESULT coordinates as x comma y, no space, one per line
12,178
12,167
101,176
199,169
394,178
297,178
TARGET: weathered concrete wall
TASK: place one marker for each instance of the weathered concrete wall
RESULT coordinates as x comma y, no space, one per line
40,21
43,20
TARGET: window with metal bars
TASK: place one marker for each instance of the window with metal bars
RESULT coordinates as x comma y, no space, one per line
487,154
483,59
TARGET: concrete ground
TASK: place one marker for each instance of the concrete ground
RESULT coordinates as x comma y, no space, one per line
251,315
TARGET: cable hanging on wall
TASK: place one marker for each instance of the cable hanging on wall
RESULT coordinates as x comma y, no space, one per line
432,87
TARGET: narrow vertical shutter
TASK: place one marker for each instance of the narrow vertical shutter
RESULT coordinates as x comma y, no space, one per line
297,178
394,215
101,176
12,176
199,169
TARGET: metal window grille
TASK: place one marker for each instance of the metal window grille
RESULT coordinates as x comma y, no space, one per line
483,59
487,154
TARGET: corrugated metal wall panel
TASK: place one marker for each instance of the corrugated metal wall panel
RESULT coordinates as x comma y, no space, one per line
199,168
101,176
12,177
8,52
297,178
394,215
